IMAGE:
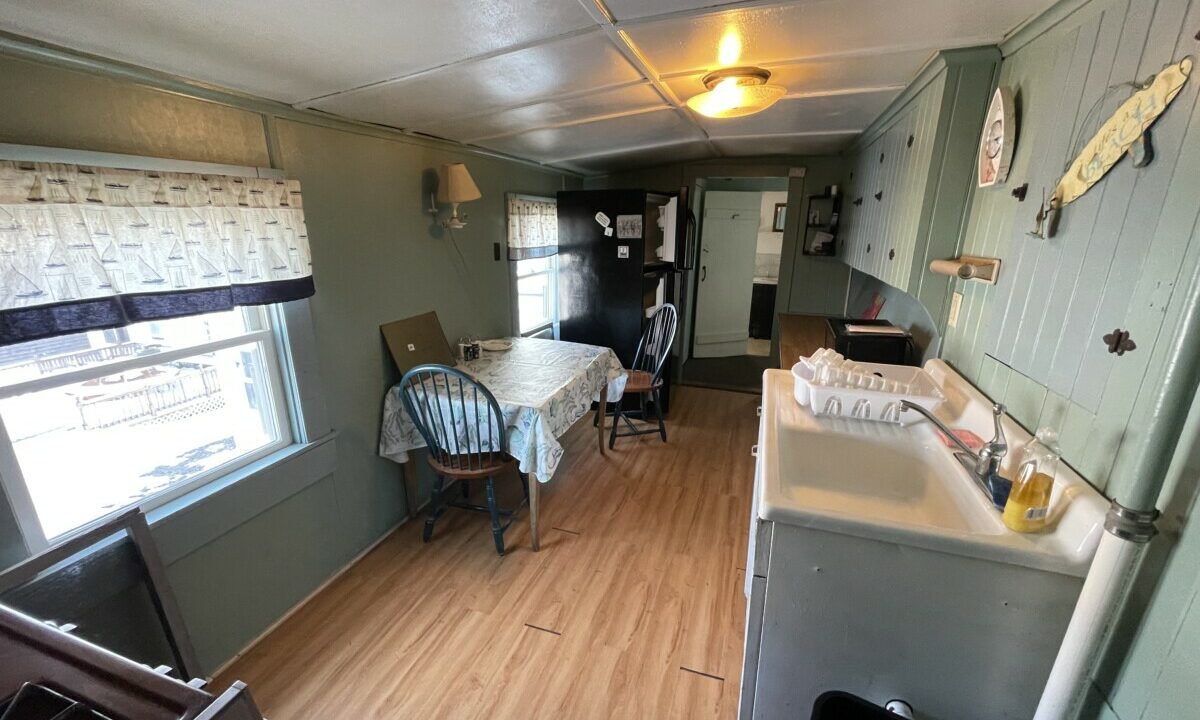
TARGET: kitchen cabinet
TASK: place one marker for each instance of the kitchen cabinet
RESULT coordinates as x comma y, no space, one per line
911,174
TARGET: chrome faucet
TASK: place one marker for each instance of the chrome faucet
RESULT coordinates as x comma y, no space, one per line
983,465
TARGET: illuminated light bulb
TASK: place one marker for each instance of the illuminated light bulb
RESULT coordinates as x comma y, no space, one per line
729,50
734,92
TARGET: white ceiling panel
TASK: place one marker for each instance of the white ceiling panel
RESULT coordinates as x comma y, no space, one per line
823,113
291,50
625,159
598,138
815,76
783,145
547,80
636,98
630,9
569,65
816,28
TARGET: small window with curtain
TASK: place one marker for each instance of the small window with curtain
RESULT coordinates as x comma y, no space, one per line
98,421
532,248
138,349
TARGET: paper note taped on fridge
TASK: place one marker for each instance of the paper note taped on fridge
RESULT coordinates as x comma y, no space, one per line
629,226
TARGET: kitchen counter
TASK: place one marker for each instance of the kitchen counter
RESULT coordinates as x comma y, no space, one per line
801,335
877,567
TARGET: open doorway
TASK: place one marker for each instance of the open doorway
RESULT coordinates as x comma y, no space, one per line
741,223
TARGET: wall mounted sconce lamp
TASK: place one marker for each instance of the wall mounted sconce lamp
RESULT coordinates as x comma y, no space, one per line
454,186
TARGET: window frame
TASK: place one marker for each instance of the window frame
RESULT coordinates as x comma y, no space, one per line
301,383
552,274
514,277
265,323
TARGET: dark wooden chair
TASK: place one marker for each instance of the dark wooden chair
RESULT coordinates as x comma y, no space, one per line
461,423
645,377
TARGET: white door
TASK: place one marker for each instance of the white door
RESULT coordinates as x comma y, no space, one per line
728,241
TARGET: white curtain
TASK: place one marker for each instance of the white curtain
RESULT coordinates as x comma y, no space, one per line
532,226
89,247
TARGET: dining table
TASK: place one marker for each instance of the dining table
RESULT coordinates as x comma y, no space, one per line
543,388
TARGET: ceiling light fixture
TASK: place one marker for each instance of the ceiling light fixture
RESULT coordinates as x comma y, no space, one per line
736,91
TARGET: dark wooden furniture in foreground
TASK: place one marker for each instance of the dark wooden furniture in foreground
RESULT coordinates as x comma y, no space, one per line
45,668
446,405
40,665
62,585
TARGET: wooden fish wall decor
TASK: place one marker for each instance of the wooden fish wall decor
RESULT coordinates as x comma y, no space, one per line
1124,132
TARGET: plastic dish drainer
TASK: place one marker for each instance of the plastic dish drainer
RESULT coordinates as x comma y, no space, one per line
865,404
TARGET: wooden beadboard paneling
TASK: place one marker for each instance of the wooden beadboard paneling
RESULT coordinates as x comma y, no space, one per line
1116,258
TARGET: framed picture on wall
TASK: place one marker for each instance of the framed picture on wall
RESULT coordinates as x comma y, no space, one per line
780,217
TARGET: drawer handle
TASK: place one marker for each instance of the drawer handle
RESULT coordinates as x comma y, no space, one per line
754,451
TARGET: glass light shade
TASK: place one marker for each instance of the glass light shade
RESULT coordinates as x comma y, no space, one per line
456,185
735,97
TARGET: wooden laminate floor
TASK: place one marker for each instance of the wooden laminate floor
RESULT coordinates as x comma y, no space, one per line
633,608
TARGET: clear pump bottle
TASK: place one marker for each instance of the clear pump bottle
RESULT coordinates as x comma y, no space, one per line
1028,503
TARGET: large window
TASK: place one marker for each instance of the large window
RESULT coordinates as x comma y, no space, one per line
537,296
100,421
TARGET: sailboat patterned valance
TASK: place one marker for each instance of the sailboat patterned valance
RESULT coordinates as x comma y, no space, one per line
532,226
85,248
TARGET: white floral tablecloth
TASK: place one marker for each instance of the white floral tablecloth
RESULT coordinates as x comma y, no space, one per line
543,387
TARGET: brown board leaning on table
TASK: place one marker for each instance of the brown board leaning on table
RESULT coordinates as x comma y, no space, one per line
417,340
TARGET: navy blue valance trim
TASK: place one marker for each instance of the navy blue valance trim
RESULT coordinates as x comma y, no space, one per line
34,323
526,253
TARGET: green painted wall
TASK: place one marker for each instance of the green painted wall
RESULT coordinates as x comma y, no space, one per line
240,559
1033,341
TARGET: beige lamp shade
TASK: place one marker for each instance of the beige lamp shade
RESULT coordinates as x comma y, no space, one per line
457,185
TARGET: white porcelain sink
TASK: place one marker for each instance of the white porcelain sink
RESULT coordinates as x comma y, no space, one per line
902,485
883,477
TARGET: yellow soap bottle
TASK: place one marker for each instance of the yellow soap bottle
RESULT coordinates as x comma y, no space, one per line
1029,500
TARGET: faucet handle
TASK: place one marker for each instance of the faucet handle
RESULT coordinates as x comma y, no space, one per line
999,441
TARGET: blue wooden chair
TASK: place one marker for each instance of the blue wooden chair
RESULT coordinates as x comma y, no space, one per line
461,423
645,376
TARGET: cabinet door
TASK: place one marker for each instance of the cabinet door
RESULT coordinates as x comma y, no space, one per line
754,625
887,199
884,199
865,174
847,237
915,140
899,204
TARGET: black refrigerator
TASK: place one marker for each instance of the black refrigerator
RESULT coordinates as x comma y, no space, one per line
619,256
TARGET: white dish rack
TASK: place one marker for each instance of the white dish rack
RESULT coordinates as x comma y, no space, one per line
865,404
